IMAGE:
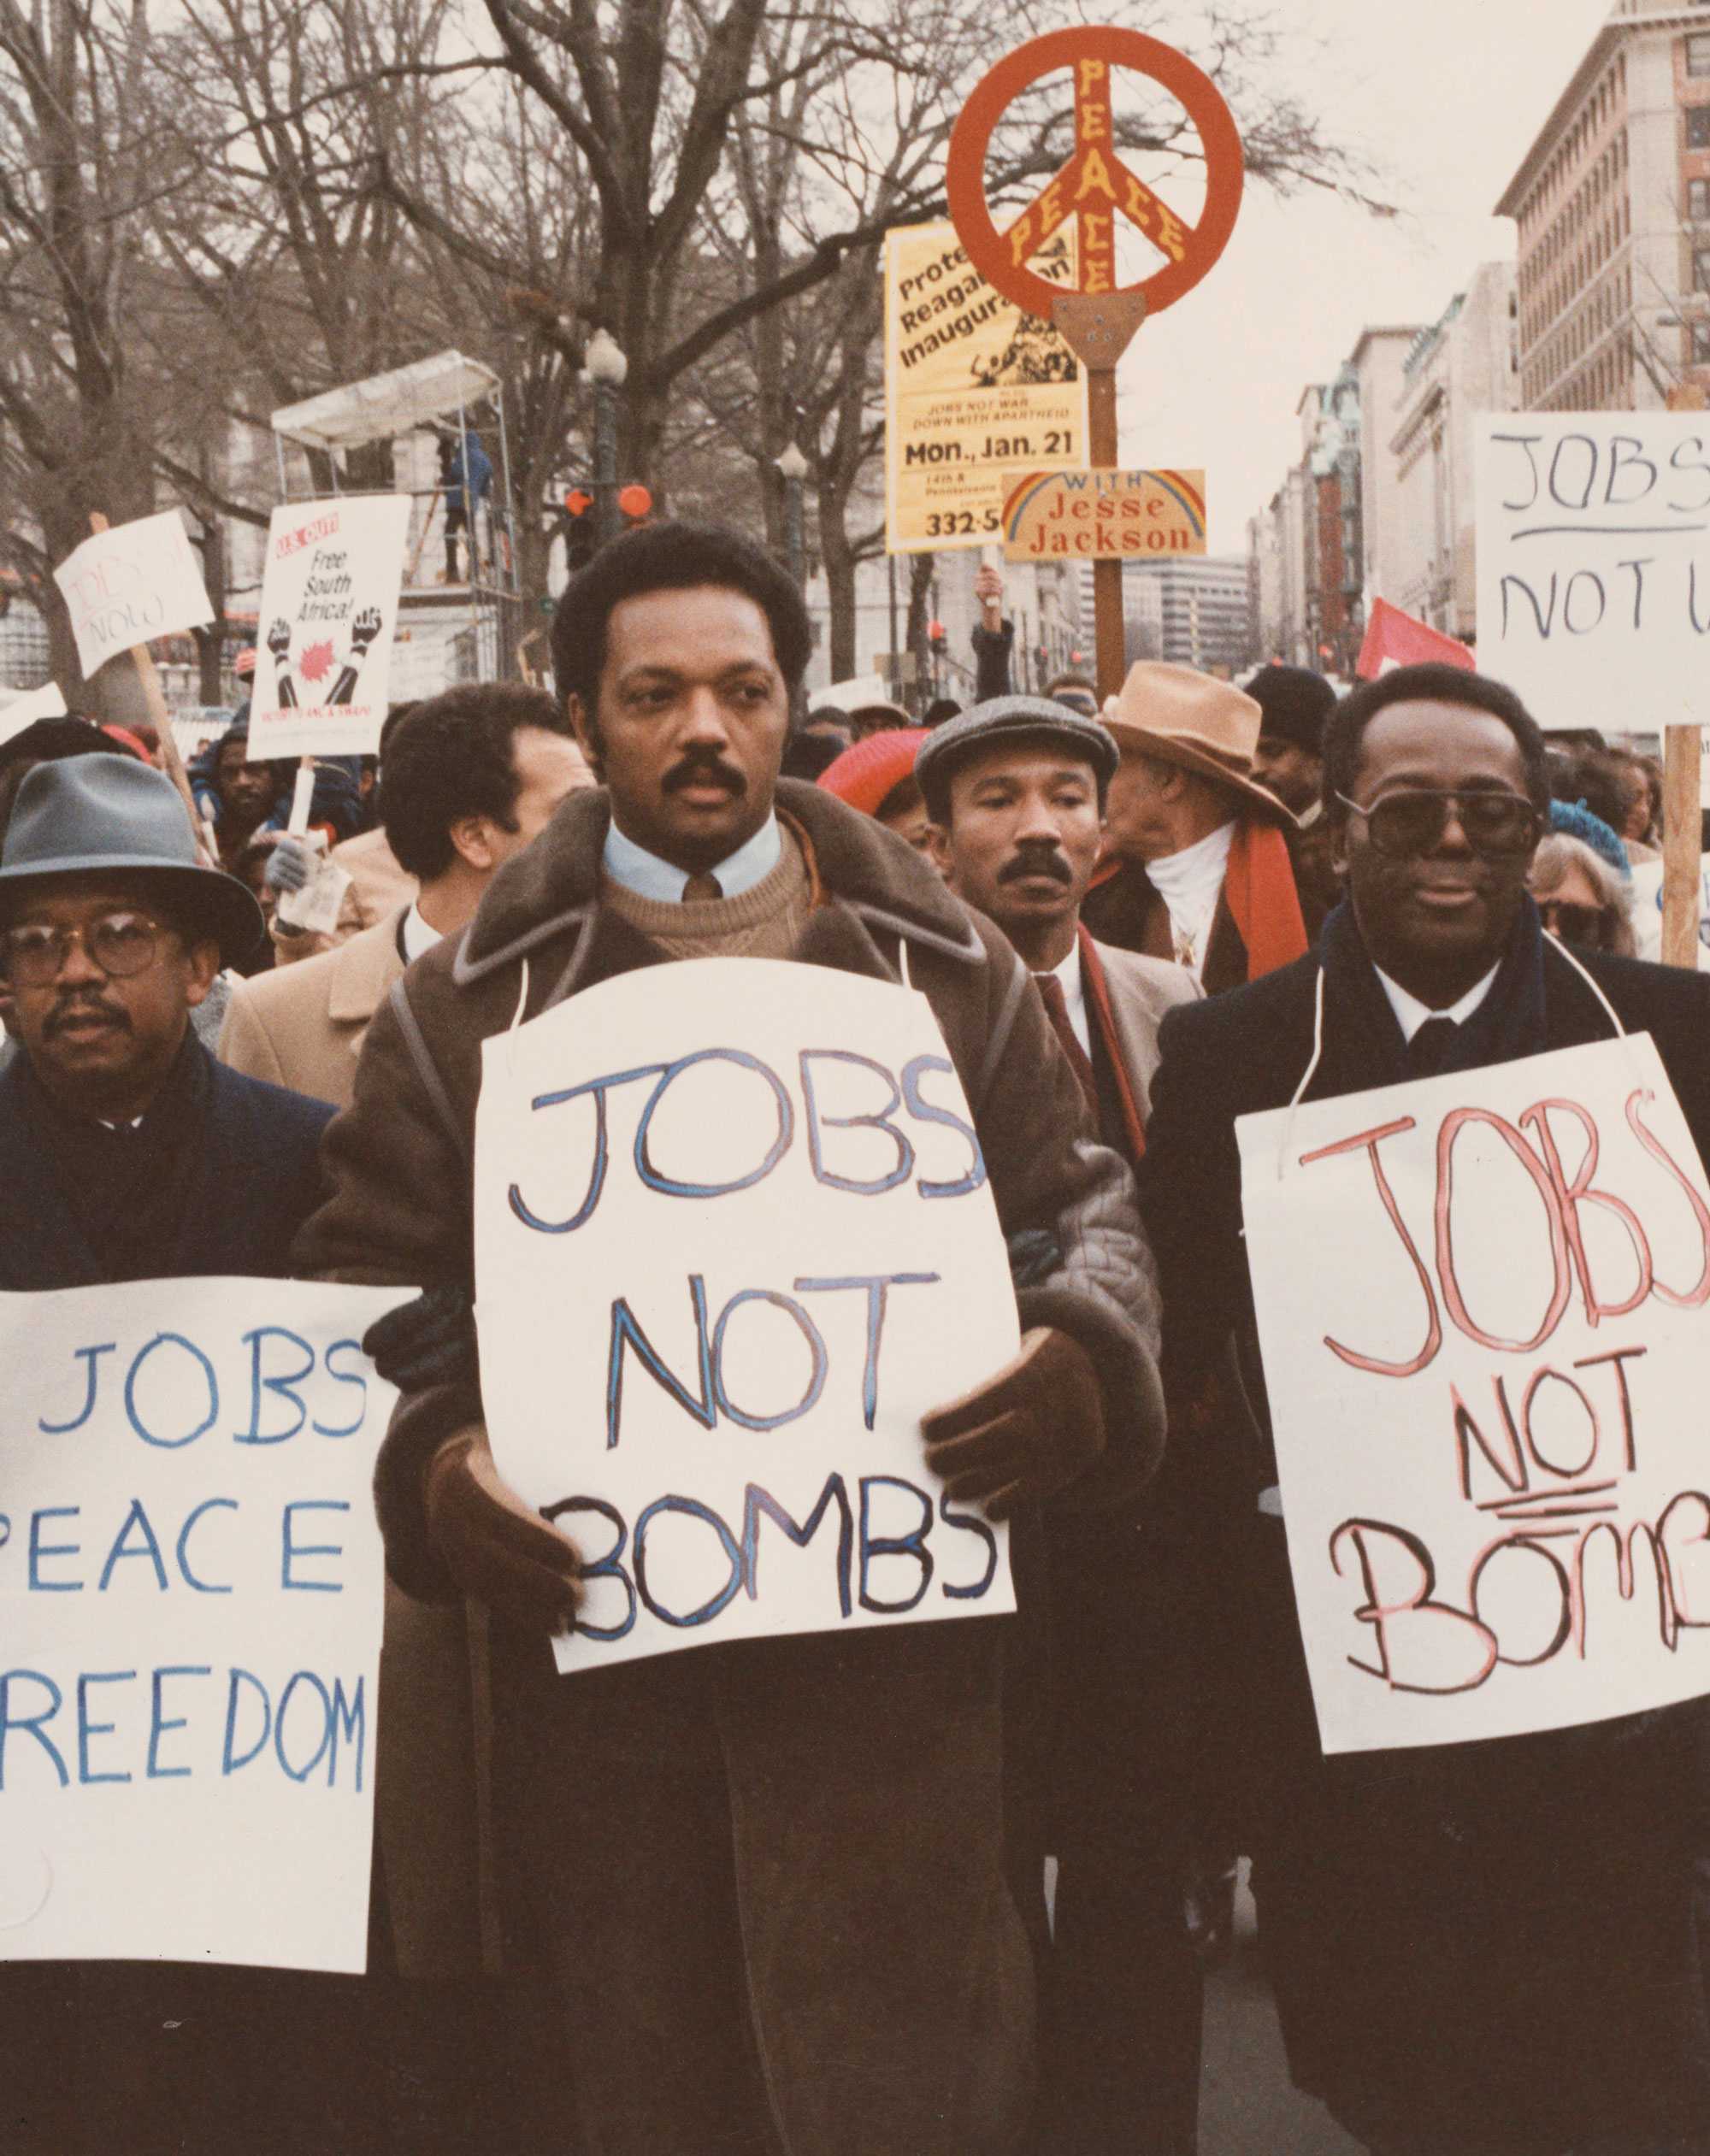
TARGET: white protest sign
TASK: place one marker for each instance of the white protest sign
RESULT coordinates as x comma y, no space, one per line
45,703
328,613
732,1238
1486,1385
130,584
1644,905
1593,564
190,1579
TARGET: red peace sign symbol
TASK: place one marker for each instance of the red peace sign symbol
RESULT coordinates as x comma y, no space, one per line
1094,186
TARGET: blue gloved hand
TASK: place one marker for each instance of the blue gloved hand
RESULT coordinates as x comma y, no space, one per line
429,1341
291,865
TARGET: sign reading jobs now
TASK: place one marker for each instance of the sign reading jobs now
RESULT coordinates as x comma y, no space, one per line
973,386
190,1582
126,587
1593,564
1487,1392
732,1238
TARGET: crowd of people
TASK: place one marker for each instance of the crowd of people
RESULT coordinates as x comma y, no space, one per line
789,1897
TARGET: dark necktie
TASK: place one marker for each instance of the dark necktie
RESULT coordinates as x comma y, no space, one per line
1057,1010
701,887
1431,1048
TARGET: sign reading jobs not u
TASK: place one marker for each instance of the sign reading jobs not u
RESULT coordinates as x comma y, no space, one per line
732,1238
1487,1392
972,385
1593,564
190,1582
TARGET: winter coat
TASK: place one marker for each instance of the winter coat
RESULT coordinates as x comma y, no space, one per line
769,1874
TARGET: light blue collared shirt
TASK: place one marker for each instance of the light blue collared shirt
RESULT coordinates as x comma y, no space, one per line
649,877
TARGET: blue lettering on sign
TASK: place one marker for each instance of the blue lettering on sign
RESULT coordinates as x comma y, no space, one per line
651,1176
32,1723
87,1728
356,1377
122,1546
809,1332
691,1508
90,1356
609,1567
758,1503
626,1331
281,1386
39,1550
969,1523
159,1723
877,1286
151,1437
926,1111
292,1550
912,1544
323,1748
230,1763
189,1579
879,1120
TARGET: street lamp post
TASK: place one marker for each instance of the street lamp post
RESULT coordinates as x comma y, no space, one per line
605,368
794,466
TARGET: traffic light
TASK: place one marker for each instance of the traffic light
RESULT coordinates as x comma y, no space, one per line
581,541
935,636
636,504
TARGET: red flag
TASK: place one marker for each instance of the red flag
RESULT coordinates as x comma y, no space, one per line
1394,638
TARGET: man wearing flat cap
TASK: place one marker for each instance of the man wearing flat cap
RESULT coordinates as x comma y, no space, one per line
1099,1709
1201,871
126,1153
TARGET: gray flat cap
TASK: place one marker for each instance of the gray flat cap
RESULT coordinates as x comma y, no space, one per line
1012,718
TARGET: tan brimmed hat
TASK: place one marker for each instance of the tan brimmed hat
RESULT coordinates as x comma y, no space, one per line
1185,718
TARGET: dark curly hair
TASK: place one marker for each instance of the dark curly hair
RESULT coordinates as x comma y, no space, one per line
1432,684
672,557
452,756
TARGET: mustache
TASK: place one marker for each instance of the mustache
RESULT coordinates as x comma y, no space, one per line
71,1007
702,764
1049,863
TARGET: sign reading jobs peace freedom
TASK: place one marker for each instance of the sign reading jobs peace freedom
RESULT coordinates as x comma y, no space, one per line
1593,564
732,1238
1486,1393
973,387
190,1594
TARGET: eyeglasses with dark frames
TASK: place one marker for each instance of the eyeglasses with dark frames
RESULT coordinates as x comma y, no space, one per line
1497,823
33,954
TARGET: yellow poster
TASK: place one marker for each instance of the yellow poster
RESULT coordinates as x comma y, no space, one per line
973,388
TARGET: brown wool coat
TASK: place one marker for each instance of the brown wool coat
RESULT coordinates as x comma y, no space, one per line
770,1877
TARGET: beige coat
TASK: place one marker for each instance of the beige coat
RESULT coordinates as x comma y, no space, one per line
304,1029
1143,991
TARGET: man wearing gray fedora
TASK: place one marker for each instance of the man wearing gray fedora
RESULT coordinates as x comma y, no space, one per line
127,1153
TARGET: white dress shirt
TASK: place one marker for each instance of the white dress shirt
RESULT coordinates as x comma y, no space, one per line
1411,1014
1074,996
416,935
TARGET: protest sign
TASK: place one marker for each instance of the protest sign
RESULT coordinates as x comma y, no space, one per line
192,1581
732,1238
1486,1393
972,385
128,585
328,613
45,703
1102,515
1593,564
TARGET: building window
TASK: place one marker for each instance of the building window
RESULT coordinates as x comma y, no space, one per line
1700,270
1698,127
1698,200
1698,54
1700,344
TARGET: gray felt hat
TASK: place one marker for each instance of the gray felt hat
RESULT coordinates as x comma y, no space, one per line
96,815
1012,718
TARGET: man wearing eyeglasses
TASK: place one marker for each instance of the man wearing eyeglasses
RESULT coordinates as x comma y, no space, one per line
127,1153
1484,1948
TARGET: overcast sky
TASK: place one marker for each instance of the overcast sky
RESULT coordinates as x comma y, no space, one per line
1449,96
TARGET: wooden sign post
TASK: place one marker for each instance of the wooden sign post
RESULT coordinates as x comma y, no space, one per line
1100,320
1683,763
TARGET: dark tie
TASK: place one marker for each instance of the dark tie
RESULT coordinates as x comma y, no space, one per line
1057,1010
1431,1048
700,887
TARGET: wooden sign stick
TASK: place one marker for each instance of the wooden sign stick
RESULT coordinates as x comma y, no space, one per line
155,698
1682,759
1099,327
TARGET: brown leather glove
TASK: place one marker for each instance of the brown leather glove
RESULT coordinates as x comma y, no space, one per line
496,1547
1024,1434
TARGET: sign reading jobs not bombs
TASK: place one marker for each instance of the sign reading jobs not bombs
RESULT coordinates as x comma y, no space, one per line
190,1581
732,1238
130,584
1487,1392
972,385
1593,564
328,613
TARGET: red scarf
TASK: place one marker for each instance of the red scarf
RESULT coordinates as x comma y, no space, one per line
1099,996
1258,885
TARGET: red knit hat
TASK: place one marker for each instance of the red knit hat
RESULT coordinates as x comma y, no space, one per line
864,774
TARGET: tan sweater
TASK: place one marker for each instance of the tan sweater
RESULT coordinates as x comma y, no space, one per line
764,922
